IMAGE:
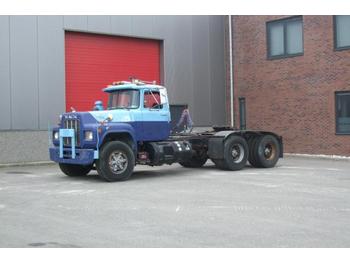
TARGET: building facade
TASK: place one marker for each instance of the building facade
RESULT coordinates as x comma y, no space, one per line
291,75
51,63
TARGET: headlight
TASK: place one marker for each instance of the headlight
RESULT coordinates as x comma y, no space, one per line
55,135
89,136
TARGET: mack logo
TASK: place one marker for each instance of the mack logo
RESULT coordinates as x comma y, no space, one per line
71,116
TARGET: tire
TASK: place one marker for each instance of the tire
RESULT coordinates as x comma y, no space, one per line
116,162
195,161
265,151
235,153
75,170
252,149
219,163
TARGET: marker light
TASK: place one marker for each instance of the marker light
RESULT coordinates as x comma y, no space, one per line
55,135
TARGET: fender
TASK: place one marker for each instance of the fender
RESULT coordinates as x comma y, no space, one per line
118,128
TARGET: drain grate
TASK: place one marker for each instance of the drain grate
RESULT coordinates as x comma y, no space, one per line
37,244
51,244
18,172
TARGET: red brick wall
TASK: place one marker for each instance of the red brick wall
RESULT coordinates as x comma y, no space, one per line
295,96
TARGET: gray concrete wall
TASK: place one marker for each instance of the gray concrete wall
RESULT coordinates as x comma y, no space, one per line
23,146
32,69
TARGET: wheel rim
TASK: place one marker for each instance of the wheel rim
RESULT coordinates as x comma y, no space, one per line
237,153
118,162
269,151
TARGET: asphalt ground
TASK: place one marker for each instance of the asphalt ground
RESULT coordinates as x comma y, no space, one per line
302,202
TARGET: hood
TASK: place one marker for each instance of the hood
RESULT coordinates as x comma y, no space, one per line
119,115
84,117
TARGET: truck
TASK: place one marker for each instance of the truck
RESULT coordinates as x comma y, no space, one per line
135,129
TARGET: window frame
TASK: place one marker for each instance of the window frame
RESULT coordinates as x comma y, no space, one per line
152,108
335,35
284,22
336,95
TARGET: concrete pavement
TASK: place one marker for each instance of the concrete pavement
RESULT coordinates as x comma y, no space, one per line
300,203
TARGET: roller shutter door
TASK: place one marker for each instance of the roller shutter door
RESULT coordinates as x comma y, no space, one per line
93,61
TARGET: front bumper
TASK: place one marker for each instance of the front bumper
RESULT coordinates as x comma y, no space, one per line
82,156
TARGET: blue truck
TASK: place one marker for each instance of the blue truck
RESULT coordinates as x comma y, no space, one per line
135,130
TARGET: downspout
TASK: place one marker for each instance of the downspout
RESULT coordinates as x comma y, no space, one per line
231,71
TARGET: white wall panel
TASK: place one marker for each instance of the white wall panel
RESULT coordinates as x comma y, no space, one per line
51,76
5,86
24,72
75,22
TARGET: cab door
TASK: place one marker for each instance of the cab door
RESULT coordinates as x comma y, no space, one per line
156,116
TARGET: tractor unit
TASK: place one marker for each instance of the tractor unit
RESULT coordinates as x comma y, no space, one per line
135,130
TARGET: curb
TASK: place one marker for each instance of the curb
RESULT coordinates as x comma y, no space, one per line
39,163
329,157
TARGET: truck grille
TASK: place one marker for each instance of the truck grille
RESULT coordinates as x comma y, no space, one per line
72,124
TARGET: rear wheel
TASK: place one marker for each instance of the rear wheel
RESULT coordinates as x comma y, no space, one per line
219,163
116,162
265,151
252,149
197,160
75,170
235,153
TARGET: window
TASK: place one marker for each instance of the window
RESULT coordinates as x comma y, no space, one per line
342,32
285,37
152,100
342,103
125,98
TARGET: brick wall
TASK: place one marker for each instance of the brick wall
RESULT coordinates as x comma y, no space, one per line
295,96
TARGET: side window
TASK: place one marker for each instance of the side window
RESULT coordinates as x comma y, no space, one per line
342,103
152,100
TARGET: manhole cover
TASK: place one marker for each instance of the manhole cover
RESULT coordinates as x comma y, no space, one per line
18,172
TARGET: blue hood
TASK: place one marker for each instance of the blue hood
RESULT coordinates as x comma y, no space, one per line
95,117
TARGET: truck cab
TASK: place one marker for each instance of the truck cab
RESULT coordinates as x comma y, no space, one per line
144,108
137,113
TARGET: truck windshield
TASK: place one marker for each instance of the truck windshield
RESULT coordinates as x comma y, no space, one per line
126,98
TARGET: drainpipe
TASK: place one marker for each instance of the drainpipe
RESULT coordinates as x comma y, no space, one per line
231,71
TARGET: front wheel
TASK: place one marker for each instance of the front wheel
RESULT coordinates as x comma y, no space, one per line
116,162
75,170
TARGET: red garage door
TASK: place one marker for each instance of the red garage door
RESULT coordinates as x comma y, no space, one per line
95,61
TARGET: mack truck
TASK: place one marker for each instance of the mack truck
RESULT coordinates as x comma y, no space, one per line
135,129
